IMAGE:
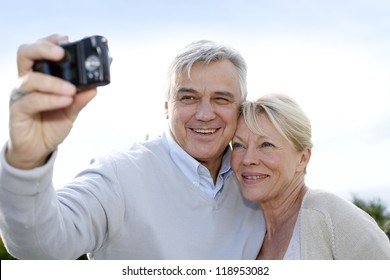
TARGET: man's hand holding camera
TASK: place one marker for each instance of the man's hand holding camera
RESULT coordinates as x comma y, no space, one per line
43,108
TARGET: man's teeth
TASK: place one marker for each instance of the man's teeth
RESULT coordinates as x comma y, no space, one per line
205,131
258,177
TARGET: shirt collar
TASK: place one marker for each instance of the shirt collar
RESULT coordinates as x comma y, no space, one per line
186,163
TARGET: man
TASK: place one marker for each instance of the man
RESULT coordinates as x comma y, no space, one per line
170,198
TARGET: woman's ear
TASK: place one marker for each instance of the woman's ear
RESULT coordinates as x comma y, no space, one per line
304,159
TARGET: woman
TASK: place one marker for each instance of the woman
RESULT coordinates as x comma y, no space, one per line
271,150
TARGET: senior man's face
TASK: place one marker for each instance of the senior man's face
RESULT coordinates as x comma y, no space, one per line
203,110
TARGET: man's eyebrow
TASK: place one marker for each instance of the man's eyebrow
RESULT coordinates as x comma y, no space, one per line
225,93
184,89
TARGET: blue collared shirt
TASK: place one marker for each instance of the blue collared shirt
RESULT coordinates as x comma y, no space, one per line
198,174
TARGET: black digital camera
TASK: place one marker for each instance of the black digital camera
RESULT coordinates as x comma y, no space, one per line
86,63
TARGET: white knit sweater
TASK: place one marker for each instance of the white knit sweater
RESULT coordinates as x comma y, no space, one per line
133,204
333,228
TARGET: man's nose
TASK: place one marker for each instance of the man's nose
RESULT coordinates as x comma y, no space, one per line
205,111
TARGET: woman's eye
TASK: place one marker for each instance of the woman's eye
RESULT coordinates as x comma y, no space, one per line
267,145
236,146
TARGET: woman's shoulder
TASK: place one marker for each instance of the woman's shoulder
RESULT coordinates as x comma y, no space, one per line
329,204
344,225
321,200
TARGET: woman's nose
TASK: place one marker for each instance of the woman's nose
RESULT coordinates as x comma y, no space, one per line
251,157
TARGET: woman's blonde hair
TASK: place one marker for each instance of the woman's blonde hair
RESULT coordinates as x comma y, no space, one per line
285,114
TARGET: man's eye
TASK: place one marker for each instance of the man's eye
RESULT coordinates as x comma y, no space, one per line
222,101
187,99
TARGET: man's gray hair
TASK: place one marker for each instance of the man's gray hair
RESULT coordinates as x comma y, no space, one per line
206,51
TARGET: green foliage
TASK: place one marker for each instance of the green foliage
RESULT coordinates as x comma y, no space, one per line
4,255
376,209
83,257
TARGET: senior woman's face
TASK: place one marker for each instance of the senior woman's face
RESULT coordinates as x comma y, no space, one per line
265,165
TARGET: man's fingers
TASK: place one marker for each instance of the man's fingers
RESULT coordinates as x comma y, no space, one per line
39,82
35,102
83,98
56,38
46,48
80,101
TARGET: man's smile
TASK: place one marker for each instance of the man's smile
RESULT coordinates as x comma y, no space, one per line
204,130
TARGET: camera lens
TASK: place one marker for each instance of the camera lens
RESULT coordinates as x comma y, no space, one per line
92,63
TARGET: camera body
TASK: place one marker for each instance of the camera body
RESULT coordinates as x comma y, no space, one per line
86,63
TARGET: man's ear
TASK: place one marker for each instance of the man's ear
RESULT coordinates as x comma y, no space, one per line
304,159
166,109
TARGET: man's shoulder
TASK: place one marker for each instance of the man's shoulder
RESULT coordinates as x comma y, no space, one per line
136,152
149,146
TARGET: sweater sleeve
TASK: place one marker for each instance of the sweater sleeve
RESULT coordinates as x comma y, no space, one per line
38,222
357,235
334,228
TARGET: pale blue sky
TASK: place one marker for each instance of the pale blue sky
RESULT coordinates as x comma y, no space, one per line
332,56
